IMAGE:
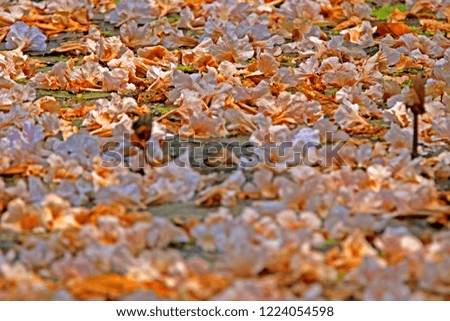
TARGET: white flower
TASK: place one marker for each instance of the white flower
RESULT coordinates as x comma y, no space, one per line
234,50
21,36
347,115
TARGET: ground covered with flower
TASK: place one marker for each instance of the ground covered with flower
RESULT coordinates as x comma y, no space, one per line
86,214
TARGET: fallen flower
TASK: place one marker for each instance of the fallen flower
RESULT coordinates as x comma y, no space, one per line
21,37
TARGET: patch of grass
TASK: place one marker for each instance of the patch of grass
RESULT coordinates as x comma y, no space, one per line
427,33
382,254
58,94
22,81
335,32
185,68
10,181
287,63
379,123
384,12
52,59
331,91
190,32
77,122
81,96
173,17
407,84
292,91
328,244
377,138
412,71
370,51
89,95
290,55
79,61
323,24
159,110
108,33
44,69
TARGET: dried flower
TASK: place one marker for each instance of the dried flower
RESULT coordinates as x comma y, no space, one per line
21,37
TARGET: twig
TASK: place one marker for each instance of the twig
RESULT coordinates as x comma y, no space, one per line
415,143
416,100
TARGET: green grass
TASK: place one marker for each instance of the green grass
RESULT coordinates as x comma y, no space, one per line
378,122
77,122
377,138
412,71
173,17
108,33
288,63
384,12
427,33
335,32
328,244
81,96
407,83
53,58
58,94
331,91
185,68
44,69
323,24
292,91
159,110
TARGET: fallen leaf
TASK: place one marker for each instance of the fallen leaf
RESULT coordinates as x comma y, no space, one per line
106,286
395,29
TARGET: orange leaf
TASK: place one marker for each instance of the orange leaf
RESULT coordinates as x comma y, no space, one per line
3,32
406,62
398,15
203,286
160,289
332,13
395,29
352,22
30,222
432,25
107,286
422,6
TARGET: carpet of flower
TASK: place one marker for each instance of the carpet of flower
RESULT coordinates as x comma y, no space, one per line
75,75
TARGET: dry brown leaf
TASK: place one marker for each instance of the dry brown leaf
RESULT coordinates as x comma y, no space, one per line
160,288
79,112
432,25
406,62
48,104
398,15
157,55
422,6
106,286
352,22
3,33
395,29
333,13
